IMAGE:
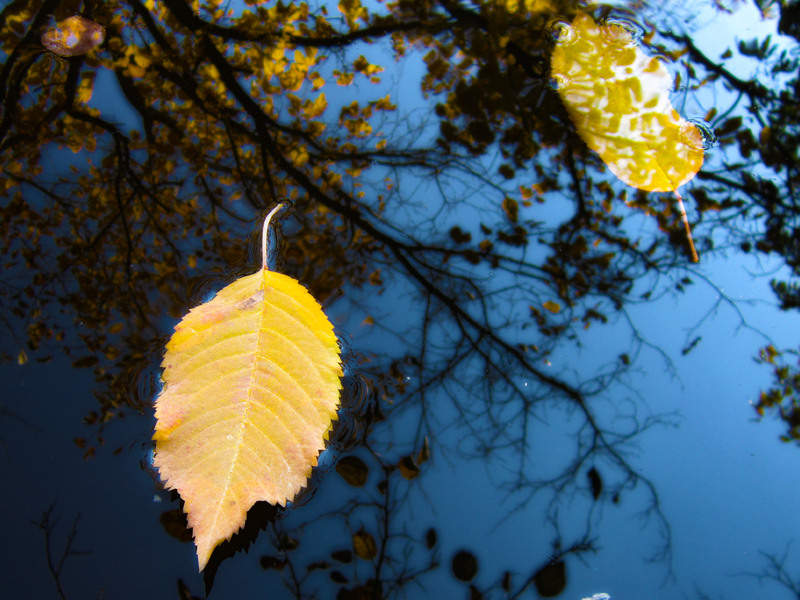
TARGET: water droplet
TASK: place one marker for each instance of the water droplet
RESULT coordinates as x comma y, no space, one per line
146,462
559,81
623,32
560,32
698,134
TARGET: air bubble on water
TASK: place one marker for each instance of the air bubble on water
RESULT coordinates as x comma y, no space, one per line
143,376
146,463
560,32
559,81
623,32
690,129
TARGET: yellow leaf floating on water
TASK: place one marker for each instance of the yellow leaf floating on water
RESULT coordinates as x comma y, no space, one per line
618,99
251,389
73,36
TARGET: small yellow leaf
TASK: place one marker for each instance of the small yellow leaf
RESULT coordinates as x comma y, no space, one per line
553,307
22,358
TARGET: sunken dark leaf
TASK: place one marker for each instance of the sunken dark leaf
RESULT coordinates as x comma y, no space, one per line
353,470
407,468
289,543
506,581
270,562
364,545
595,482
459,236
465,566
551,579
338,577
343,556
174,523
430,538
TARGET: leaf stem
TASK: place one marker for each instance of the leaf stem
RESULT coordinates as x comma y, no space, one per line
695,258
265,234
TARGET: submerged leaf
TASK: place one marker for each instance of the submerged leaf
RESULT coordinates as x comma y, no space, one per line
551,579
353,470
364,545
251,388
407,468
618,99
465,566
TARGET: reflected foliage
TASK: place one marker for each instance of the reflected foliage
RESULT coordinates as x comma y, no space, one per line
783,398
56,562
461,199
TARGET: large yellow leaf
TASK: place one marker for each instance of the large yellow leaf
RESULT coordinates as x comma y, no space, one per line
618,99
251,388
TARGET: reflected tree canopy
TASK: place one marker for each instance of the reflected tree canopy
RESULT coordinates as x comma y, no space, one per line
445,211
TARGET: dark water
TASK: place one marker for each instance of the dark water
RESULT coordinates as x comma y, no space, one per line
543,394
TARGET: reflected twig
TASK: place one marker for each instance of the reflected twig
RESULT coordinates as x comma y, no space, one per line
47,525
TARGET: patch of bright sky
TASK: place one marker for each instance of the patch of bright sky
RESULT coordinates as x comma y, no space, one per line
106,98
